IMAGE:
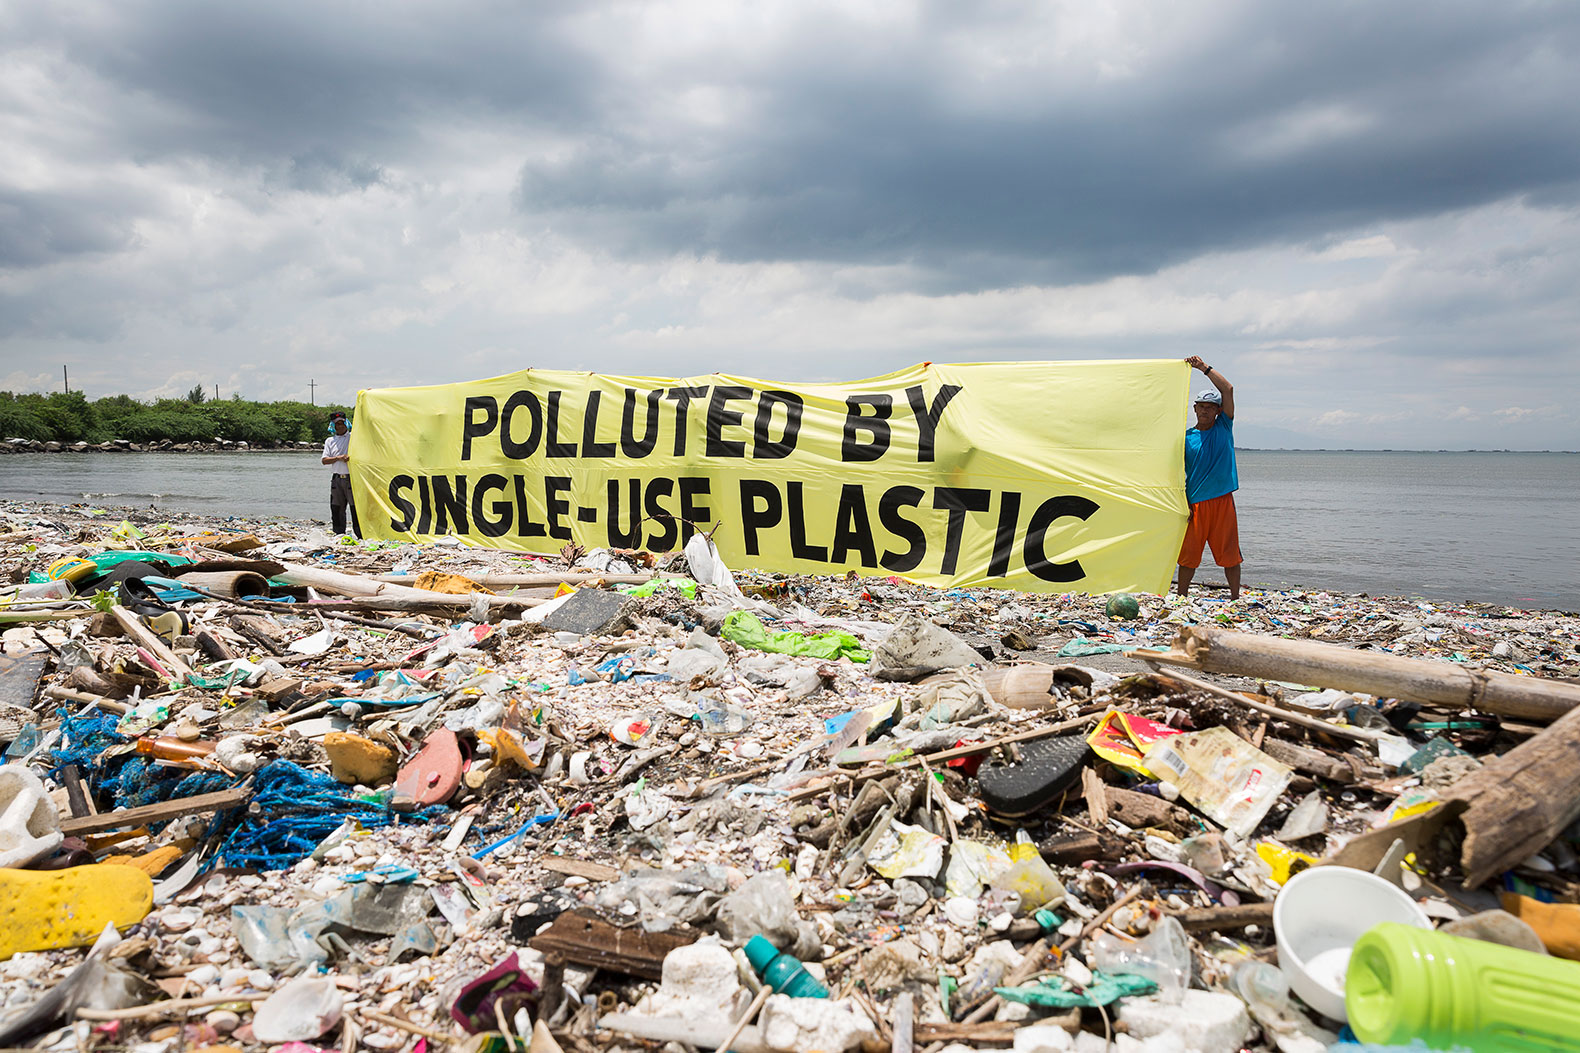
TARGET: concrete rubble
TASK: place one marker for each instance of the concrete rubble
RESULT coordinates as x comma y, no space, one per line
395,797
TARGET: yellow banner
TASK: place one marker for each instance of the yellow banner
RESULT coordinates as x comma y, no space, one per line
1040,476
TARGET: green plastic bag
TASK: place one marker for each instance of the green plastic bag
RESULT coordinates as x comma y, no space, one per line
1055,992
746,629
684,587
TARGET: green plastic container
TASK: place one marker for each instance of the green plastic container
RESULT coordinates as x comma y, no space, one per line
782,972
1406,983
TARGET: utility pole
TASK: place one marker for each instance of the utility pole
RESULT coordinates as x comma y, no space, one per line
67,378
216,392
310,386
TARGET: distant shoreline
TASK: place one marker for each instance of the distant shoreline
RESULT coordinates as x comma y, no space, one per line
162,446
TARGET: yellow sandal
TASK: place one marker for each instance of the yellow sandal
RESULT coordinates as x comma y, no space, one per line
44,909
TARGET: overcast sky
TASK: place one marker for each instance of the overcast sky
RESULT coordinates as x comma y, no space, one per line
1365,214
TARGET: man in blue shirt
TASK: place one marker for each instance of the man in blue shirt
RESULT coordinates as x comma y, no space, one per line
1210,483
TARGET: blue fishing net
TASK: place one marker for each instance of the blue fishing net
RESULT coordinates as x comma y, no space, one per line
138,781
293,810
82,739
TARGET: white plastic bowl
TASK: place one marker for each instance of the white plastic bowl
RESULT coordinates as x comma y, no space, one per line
1318,917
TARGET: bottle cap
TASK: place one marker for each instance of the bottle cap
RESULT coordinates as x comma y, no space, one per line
759,951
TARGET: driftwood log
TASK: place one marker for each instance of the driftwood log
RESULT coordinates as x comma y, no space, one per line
1372,672
1510,808
1308,760
1518,803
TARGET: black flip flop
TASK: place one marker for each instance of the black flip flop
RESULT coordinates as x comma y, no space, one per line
1046,769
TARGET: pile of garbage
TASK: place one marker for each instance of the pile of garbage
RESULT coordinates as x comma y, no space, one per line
265,787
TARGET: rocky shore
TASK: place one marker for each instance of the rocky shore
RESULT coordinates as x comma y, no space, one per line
387,796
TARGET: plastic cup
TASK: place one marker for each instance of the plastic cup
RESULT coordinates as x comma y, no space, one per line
1318,918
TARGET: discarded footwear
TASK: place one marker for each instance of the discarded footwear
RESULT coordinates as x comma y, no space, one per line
1046,769
434,774
43,910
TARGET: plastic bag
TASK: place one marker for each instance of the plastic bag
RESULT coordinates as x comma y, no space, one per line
744,628
1230,780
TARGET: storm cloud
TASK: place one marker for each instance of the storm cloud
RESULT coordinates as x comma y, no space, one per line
1367,215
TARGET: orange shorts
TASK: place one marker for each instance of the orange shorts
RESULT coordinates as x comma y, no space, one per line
1212,522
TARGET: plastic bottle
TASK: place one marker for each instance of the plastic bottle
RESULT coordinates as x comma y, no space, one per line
1262,987
782,972
42,590
978,986
1406,984
168,747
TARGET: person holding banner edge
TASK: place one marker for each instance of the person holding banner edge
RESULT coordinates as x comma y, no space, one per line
1210,482
337,454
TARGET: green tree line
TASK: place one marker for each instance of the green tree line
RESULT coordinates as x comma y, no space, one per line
71,417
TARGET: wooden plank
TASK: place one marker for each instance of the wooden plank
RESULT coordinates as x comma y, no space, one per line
133,626
581,937
987,1033
157,813
580,868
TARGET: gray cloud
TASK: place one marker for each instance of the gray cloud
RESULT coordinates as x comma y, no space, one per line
1284,125
42,227
1371,212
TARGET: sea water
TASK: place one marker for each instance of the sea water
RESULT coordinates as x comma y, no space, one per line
1490,527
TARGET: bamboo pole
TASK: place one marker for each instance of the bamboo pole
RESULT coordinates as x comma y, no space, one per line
383,595
569,577
1384,675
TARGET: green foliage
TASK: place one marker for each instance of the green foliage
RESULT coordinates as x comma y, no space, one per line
69,418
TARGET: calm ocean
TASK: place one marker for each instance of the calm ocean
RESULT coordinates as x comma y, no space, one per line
1495,527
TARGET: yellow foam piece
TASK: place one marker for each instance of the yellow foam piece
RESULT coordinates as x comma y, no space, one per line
354,759
41,910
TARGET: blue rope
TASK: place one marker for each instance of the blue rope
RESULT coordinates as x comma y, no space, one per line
293,810
82,740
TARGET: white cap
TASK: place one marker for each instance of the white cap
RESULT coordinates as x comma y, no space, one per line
1211,395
